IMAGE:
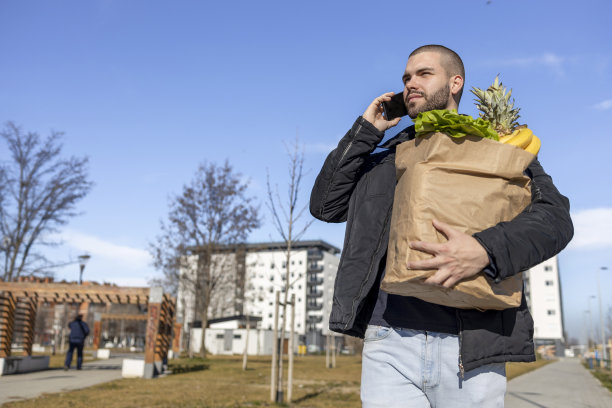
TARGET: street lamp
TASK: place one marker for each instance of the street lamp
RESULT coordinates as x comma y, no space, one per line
82,262
590,320
601,327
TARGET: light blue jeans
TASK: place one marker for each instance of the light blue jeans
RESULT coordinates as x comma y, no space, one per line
413,368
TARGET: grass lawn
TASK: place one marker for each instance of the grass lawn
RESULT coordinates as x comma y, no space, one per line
57,360
602,374
220,382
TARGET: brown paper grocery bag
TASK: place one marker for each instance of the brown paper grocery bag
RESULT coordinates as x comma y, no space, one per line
471,184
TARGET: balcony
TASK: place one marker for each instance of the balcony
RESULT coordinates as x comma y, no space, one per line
314,319
315,281
314,306
315,268
315,294
315,255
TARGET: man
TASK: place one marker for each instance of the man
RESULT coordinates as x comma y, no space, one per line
78,331
418,354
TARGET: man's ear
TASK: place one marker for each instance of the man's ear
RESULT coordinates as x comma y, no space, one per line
456,84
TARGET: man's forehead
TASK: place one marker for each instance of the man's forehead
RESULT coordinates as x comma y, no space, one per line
423,60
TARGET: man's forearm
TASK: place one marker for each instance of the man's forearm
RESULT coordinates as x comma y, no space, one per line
541,231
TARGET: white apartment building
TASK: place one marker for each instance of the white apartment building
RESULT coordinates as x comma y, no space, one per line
543,293
253,273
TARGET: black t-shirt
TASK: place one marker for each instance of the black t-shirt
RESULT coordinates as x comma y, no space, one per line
412,313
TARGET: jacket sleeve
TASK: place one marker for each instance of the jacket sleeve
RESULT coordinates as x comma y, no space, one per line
541,231
335,183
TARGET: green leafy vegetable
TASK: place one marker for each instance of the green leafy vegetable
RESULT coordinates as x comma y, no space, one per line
453,124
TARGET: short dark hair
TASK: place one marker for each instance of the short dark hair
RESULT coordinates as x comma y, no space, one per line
450,60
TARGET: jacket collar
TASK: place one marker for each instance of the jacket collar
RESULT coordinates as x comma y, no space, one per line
403,136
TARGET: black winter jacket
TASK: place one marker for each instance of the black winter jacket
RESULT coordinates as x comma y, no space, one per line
357,186
78,331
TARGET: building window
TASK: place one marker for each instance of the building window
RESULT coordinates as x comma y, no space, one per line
548,268
300,262
270,315
220,336
272,265
549,283
237,336
550,312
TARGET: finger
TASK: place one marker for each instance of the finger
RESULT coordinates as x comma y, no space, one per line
446,229
394,122
450,282
426,264
387,95
429,247
437,278
383,98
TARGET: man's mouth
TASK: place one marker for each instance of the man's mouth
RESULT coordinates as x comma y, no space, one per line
414,95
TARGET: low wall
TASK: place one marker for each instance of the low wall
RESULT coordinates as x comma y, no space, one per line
19,365
132,368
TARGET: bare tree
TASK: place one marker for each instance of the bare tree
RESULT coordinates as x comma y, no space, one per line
205,222
286,216
38,193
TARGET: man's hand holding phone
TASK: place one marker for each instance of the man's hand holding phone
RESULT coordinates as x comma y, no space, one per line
374,113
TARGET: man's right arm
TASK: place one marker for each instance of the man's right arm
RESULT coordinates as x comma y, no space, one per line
335,183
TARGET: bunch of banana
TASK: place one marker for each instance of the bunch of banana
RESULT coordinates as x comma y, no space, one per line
495,106
523,138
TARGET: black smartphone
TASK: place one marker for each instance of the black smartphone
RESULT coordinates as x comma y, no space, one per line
395,108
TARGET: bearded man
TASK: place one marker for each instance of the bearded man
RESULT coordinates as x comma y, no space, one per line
419,354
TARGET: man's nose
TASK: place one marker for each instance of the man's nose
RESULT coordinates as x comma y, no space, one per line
410,85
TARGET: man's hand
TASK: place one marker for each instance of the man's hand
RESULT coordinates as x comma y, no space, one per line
459,258
374,113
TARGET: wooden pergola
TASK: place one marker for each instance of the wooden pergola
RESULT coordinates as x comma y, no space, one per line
19,302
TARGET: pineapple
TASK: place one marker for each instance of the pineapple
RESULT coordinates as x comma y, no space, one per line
495,106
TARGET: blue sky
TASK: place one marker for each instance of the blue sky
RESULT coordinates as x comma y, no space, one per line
150,89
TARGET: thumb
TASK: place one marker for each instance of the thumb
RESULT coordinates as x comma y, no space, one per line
444,228
394,122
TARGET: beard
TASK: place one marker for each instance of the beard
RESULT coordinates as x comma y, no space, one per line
437,100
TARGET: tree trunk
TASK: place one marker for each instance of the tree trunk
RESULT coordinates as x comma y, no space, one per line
246,345
273,377
284,322
290,351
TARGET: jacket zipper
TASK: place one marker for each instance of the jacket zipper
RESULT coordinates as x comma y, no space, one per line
350,144
461,370
344,152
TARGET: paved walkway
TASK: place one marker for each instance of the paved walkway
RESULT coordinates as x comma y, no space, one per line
31,385
563,384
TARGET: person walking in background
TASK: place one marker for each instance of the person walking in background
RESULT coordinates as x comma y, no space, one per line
78,331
